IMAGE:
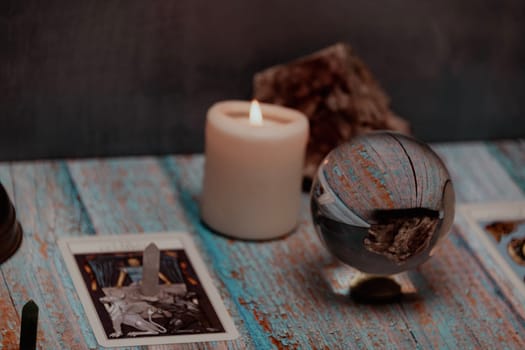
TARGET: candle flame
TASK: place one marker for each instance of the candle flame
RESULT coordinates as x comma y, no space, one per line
255,113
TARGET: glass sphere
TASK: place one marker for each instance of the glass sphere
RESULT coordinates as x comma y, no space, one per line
382,202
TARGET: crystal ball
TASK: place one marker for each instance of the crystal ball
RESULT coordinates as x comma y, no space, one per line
382,202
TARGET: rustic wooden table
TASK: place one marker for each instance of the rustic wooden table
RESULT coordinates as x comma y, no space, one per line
282,294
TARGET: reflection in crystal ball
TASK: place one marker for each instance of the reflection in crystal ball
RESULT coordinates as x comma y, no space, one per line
382,202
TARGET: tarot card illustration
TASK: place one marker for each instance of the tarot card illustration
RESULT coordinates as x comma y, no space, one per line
501,227
146,289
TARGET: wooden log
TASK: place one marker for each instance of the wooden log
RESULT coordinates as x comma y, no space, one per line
337,92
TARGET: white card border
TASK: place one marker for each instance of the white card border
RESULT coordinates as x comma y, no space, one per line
137,242
501,210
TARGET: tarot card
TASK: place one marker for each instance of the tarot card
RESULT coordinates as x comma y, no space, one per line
501,228
132,297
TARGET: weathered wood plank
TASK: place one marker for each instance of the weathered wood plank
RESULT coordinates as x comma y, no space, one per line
135,195
435,319
127,195
511,155
47,207
288,293
476,174
479,176
459,298
279,286
9,316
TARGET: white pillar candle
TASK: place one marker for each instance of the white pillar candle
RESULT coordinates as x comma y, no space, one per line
253,170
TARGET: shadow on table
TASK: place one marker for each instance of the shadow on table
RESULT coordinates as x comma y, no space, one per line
343,284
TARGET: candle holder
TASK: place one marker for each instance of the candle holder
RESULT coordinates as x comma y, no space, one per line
381,204
10,229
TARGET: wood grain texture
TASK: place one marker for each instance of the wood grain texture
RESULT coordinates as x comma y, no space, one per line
128,195
47,207
318,317
511,155
278,286
288,293
477,175
135,195
9,316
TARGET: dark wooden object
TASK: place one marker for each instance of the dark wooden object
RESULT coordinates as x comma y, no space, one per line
336,91
10,229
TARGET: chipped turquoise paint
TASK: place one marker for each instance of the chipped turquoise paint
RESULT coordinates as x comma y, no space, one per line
54,186
358,329
489,283
337,171
281,298
71,195
350,170
477,175
128,191
74,201
379,175
511,158
85,226
216,247
364,154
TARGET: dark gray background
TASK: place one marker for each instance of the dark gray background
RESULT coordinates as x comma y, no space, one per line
108,77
